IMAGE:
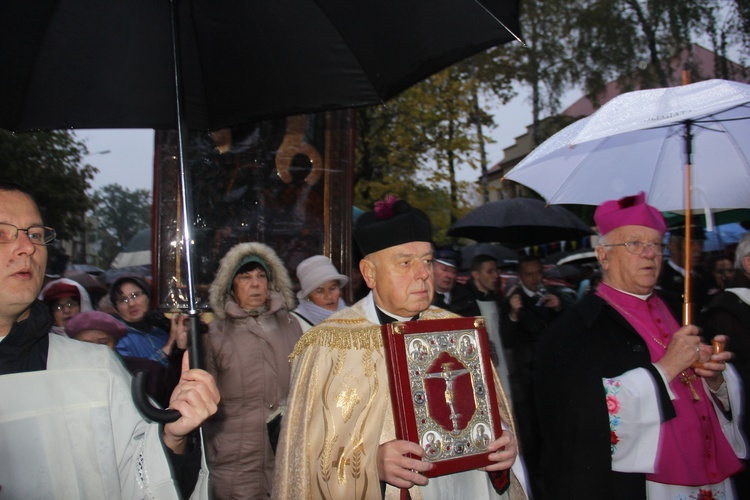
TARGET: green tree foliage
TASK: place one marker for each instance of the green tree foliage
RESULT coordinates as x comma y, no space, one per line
49,165
637,41
545,63
122,212
425,135
414,144
588,43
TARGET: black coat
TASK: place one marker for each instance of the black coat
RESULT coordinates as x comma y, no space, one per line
588,342
728,315
671,287
464,299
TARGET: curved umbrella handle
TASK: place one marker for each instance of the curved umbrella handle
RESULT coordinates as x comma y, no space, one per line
138,390
138,385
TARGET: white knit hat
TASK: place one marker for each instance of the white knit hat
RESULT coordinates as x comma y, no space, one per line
315,271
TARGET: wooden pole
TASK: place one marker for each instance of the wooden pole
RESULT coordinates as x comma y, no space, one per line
687,306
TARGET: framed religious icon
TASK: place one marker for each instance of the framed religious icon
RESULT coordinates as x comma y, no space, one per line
443,390
285,182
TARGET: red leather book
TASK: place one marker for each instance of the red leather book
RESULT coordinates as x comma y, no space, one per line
443,390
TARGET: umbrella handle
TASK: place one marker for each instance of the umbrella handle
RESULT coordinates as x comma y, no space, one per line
138,385
148,410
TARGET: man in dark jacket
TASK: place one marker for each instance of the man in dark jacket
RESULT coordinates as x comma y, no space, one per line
671,283
527,311
449,294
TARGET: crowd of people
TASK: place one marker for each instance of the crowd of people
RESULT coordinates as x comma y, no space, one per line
602,393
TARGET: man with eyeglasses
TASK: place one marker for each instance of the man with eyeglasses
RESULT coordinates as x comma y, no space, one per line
68,426
622,412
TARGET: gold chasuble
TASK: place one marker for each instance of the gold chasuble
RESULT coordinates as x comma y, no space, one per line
339,412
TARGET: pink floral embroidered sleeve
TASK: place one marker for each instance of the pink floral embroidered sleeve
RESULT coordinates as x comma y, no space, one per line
633,410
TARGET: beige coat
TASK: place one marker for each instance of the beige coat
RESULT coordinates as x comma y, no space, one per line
248,356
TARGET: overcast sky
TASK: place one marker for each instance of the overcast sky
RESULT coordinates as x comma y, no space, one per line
125,156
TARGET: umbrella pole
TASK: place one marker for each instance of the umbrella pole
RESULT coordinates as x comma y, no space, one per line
139,379
687,306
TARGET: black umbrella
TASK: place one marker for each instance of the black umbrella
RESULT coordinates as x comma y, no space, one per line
576,257
520,222
209,64
109,63
502,255
111,275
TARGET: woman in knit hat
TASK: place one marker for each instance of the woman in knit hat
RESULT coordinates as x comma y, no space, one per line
247,350
320,291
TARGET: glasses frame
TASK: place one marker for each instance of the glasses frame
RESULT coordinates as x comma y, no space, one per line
48,237
659,248
67,305
127,298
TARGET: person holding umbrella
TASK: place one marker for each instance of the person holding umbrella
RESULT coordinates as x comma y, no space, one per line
622,411
69,427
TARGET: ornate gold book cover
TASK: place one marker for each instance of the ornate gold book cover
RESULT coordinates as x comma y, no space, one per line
443,390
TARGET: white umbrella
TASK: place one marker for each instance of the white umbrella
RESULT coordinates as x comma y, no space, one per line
637,142
687,147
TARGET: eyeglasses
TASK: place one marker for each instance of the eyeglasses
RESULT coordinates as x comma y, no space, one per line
128,297
39,235
67,305
638,247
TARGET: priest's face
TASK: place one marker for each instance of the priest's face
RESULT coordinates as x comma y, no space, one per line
401,278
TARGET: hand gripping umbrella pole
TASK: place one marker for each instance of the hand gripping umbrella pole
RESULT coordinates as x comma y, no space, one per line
194,347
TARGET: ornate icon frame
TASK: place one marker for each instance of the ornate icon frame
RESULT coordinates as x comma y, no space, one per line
448,356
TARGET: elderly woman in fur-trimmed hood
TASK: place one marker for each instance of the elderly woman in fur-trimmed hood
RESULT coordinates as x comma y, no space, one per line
247,349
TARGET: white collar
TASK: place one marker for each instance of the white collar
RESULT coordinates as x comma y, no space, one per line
642,297
372,315
742,293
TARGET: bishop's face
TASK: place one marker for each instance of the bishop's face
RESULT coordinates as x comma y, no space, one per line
628,272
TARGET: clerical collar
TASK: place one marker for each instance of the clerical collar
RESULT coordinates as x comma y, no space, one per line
386,318
642,297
